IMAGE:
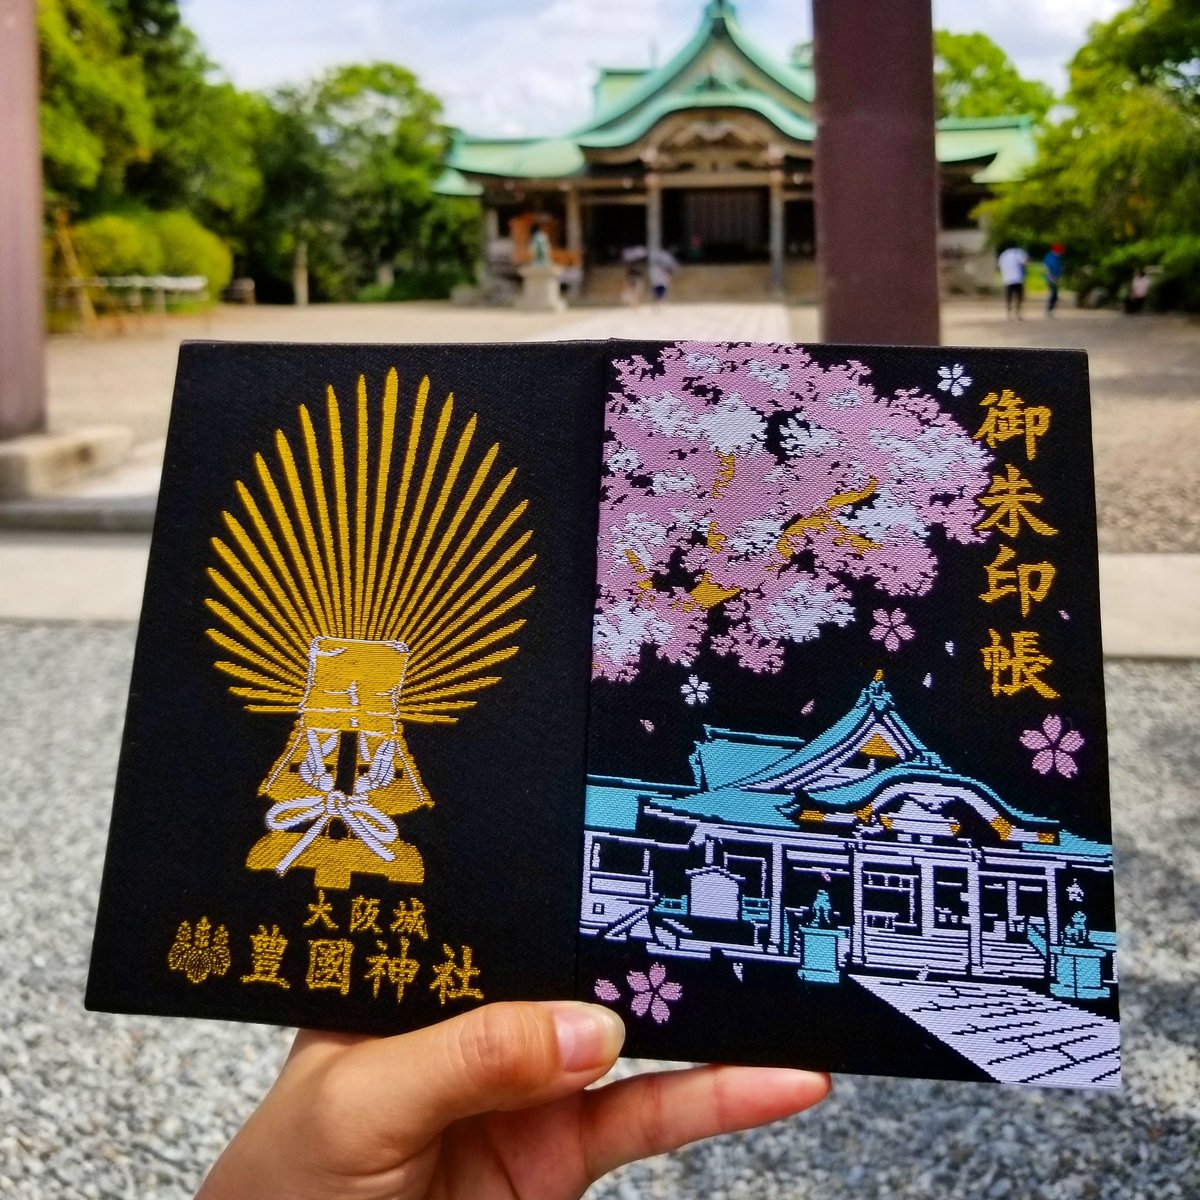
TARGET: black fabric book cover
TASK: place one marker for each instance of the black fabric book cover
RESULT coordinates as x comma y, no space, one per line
752,690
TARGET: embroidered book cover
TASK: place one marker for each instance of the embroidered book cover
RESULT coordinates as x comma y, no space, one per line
752,690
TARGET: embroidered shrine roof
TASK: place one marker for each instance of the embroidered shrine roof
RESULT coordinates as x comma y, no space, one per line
720,69
780,783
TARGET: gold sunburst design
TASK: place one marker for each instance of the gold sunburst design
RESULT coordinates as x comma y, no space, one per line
361,593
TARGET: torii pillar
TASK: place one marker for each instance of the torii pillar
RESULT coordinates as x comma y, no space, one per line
22,298
876,173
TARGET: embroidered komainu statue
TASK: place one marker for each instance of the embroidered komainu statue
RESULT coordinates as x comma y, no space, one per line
384,604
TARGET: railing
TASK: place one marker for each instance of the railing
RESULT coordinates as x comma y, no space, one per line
1036,939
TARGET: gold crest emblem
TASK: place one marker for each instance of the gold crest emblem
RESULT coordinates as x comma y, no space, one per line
382,601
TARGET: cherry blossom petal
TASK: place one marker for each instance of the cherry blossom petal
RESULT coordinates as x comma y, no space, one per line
638,981
880,615
891,641
659,1011
671,991
1064,764
657,974
907,632
607,990
1072,740
879,632
641,1002
1034,739
1053,727
898,615
1043,760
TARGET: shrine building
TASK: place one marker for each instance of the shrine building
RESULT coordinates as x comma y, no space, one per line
709,157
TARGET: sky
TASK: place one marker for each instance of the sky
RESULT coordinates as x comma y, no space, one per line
526,67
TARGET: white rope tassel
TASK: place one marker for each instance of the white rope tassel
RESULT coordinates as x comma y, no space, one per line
375,829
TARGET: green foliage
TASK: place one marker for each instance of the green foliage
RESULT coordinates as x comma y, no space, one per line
95,117
190,249
1118,179
348,165
973,77
177,167
118,245
432,284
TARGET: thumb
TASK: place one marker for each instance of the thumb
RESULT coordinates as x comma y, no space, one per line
501,1056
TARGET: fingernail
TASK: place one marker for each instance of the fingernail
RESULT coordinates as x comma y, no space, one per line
588,1036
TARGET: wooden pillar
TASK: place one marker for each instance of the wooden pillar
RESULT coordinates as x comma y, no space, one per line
876,172
857,942
22,291
653,214
575,239
974,915
775,207
776,933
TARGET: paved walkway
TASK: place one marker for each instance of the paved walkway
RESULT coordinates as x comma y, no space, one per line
1148,601
669,322
1014,1034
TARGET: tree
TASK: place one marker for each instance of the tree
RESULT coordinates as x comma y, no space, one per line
387,140
202,148
348,165
297,217
753,498
94,115
973,77
1118,178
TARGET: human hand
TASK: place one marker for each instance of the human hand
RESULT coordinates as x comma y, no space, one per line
487,1106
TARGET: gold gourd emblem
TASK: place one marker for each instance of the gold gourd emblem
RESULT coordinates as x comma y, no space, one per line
362,595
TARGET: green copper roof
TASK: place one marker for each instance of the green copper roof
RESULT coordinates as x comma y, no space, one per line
640,122
1007,141
719,68
517,158
615,82
453,183
720,25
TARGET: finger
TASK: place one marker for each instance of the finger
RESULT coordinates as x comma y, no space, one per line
651,1114
501,1056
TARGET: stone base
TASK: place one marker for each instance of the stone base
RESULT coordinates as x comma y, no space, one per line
40,464
541,289
334,860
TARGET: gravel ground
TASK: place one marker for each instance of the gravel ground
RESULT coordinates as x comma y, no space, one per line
98,1105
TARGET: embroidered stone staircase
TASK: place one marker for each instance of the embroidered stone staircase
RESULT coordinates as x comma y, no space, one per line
1014,1034
1012,960
710,282
914,955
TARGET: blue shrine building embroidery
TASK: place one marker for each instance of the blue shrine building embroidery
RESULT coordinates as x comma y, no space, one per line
860,854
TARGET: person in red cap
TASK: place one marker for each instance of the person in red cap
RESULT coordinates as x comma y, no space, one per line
1052,268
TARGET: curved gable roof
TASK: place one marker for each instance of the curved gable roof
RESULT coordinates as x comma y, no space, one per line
720,24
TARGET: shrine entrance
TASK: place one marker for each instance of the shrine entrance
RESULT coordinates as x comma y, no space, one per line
717,224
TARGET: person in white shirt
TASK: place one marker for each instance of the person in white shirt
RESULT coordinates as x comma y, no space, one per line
1011,262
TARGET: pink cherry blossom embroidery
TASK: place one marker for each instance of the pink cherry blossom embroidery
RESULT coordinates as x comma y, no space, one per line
652,992
607,990
891,629
1054,748
753,498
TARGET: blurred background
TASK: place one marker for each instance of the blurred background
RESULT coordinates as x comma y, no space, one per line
438,170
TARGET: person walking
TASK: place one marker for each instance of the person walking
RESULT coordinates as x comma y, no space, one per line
1012,262
1052,268
1139,289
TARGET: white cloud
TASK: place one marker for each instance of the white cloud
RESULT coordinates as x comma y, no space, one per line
512,67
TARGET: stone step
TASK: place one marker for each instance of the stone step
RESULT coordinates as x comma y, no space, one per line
1014,1034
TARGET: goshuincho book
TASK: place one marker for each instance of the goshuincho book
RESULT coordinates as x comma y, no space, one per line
752,690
